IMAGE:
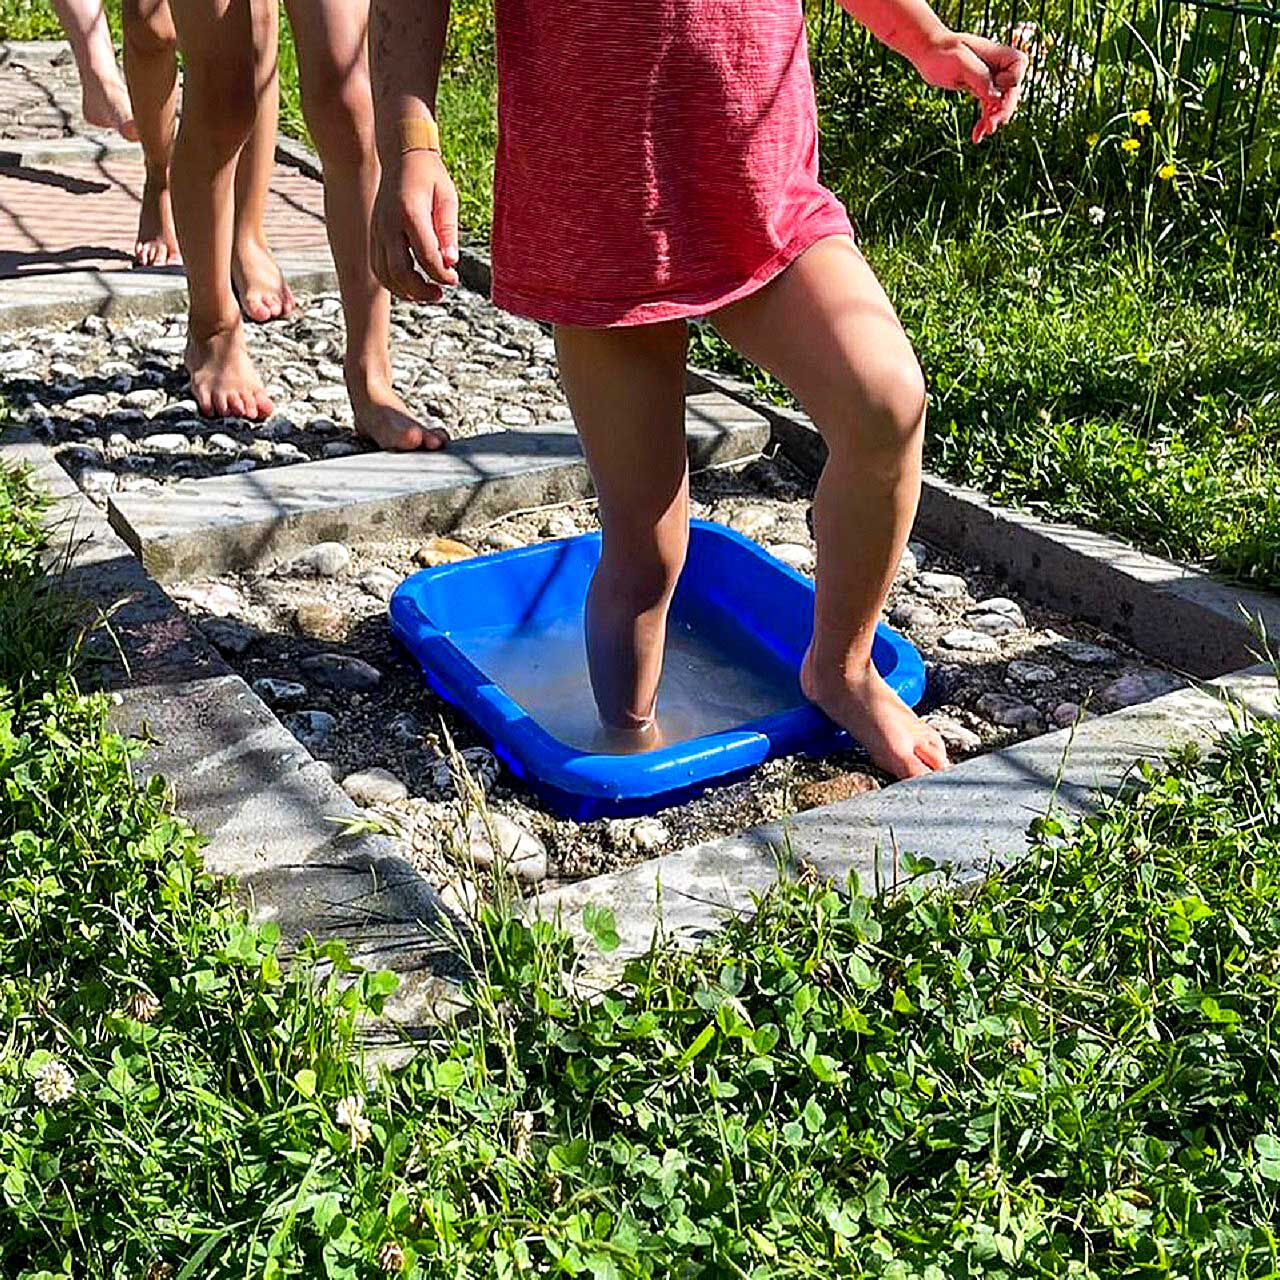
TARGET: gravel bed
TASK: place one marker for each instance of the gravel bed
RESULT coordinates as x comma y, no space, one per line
113,398
312,637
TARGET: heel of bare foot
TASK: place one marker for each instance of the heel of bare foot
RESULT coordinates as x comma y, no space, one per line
381,416
260,285
224,382
157,243
897,740
104,101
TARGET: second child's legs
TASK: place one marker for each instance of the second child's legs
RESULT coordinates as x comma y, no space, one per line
264,293
151,64
626,390
104,97
217,39
827,330
337,101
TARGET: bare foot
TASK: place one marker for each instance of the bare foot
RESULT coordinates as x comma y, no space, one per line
381,416
104,101
223,380
897,740
157,243
260,285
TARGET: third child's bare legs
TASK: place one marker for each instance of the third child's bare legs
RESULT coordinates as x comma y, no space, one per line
826,329
264,293
338,104
151,64
626,390
104,97
217,39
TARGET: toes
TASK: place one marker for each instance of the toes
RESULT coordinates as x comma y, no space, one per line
288,303
263,404
256,308
434,439
933,752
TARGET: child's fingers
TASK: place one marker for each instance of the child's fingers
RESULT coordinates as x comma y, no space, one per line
401,274
446,226
426,247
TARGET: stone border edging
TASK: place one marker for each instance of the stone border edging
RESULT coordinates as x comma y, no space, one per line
967,819
239,776
1175,613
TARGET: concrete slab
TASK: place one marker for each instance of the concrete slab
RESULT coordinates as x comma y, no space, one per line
976,814
1174,612
234,522
265,806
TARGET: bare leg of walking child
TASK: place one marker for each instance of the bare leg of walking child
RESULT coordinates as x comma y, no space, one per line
218,39
104,98
331,36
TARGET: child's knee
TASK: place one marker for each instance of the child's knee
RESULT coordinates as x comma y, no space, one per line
884,411
221,100
148,29
339,112
643,574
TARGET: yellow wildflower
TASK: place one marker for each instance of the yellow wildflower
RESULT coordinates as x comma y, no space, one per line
1142,118
1093,139
1166,172
1130,145
1275,235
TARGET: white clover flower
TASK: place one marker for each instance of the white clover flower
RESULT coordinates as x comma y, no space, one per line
142,1006
1034,277
54,1083
349,1111
522,1125
1097,214
361,1131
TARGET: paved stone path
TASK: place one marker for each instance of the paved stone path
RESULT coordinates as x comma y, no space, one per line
69,199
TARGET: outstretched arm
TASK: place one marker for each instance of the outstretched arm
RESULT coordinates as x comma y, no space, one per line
990,71
415,214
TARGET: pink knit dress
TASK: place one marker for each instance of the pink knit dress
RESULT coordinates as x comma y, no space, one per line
657,159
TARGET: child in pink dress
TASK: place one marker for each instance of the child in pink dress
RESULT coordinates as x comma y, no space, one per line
657,160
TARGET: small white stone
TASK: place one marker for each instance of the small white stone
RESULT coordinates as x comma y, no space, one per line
327,394
914,616
650,835
794,554
166,442
174,346
374,786
500,540
325,559
751,522
145,398
380,582
515,415
939,586
998,616
516,848
955,736
1031,672
220,442
559,525
218,599
88,404
19,360
968,641
284,451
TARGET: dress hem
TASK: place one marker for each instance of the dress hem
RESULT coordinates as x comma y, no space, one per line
614,315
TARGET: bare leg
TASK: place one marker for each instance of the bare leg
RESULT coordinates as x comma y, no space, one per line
826,329
104,99
216,37
151,64
626,390
264,293
333,68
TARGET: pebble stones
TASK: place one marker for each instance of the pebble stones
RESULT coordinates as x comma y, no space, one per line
479,762
1009,713
914,615
369,787
442,551
338,671
648,835
494,840
280,693
955,736
940,586
324,560
380,583
751,522
1024,672
969,641
1139,686
998,616
319,620
812,795
312,728
1084,655
794,555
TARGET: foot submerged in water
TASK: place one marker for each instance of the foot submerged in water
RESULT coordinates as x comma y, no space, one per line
897,740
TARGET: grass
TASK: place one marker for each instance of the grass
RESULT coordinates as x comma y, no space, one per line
1072,1071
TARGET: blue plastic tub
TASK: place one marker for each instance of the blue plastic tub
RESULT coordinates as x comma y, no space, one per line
500,637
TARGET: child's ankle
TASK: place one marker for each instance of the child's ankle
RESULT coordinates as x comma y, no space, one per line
209,328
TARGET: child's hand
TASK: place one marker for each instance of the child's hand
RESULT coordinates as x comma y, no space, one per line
414,237
992,72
